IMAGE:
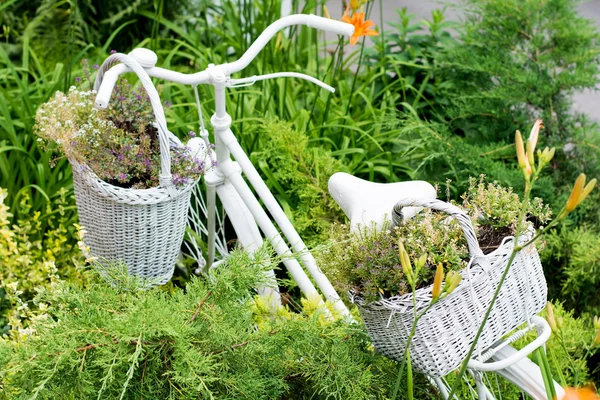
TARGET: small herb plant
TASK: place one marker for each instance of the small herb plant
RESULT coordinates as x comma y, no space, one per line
368,262
120,144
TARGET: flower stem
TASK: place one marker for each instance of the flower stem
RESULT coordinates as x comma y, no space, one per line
407,347
542,360
513,254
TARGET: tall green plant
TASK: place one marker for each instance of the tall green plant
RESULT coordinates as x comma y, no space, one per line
519,60
24,167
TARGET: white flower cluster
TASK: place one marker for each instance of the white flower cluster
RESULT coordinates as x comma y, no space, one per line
68,117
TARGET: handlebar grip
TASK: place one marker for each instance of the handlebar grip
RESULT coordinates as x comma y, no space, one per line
108,83
330,25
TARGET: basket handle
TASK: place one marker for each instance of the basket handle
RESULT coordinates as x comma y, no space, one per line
463,219
165,178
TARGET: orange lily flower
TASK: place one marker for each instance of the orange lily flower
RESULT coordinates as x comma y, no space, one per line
580,394
361,27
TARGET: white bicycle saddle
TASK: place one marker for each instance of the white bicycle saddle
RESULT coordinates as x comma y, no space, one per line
366,202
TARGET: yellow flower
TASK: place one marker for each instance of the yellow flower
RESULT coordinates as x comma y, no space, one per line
586,190
520,149
361,27
453,278
405,261
356,4
546,155
576,193
529,148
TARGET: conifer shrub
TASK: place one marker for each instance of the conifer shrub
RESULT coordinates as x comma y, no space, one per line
517,61
209,341
298,174
576,283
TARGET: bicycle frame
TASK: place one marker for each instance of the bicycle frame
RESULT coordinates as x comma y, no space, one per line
226,146
243,206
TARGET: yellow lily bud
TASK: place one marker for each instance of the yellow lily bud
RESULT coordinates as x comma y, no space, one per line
596,322
437,282
586,190
405,261
597,338
549,154
529,153
455,279
356,4
535,131
551,319
326,12
575,193
420,263
520,150
527,171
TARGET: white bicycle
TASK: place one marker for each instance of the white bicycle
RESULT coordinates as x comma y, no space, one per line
362,201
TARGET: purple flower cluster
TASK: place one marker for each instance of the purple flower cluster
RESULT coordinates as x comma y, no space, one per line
126,152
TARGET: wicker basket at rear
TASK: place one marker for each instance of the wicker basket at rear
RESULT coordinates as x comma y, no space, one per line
143,228
446,332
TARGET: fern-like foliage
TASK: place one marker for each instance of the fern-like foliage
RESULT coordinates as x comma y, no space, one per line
122,342
298,174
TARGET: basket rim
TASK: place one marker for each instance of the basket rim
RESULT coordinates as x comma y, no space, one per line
153,195
423,295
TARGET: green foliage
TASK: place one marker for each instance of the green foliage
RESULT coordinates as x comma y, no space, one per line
408,52
31,251
56,30
120,341
24,167
577,251
517,61
298,175
569,349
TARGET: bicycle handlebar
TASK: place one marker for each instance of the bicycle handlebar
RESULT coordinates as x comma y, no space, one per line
147,59
313,21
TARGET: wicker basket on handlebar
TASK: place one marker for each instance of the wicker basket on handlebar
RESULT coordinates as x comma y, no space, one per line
447,331
143,228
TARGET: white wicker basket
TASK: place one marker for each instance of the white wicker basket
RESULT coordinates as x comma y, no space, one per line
446,332
143,228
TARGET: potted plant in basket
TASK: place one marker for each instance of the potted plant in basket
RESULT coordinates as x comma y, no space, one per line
374,267
132,177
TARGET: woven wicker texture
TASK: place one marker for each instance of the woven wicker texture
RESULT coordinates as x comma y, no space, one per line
143,228
446,332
